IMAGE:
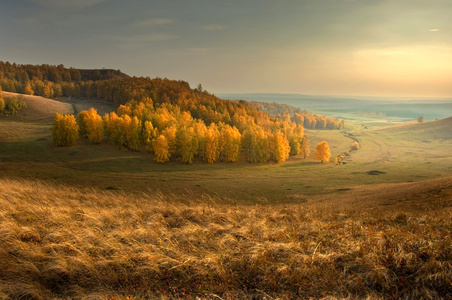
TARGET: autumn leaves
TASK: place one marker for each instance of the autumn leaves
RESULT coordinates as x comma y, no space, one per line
168,133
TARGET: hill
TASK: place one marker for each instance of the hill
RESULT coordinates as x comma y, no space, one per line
438,129
165,117
39,108
101,74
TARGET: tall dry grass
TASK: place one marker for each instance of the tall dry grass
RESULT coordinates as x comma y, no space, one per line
60,242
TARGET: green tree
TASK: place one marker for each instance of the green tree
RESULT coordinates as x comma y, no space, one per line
13,105
64,130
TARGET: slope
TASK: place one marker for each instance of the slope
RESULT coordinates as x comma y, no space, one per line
39,108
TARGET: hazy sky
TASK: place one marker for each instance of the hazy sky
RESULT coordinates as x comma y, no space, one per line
341,47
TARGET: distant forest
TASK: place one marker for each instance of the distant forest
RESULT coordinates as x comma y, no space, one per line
168,114
299,116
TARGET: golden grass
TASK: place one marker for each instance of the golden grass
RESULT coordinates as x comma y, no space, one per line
39,108
60,242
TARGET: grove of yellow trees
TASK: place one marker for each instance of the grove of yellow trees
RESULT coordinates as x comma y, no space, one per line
166,117
169,133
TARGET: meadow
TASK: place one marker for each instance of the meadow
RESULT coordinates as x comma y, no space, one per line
93,221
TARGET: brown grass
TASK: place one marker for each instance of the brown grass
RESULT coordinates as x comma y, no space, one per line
59,242
39,108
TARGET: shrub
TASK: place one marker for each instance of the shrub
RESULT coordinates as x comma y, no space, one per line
355,145
12,105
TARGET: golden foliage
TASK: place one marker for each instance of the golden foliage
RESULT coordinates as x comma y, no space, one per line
64,130
132,130
281,146
149,134
212,142
114,126
28,90
91,125
229,143
322,152
161,149
124,111
187,144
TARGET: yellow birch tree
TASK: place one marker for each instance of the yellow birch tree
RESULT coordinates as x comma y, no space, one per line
94,126
212,150
281,146
322,152
161,149
64,130
230,143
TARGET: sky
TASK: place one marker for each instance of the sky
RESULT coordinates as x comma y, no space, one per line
396,48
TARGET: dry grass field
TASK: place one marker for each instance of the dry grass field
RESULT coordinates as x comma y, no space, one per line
62,242
39,108
95,222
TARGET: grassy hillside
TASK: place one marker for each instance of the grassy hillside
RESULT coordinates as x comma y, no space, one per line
64,242
39,108
400,154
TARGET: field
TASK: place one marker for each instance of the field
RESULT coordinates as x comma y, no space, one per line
95,221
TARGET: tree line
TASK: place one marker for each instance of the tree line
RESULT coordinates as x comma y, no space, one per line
299,116
162,116
168,133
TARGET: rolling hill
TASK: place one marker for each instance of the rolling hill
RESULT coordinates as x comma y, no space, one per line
39,108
